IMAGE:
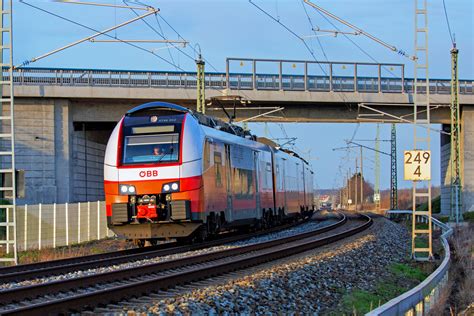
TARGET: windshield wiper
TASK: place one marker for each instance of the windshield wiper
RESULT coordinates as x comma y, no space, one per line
169,152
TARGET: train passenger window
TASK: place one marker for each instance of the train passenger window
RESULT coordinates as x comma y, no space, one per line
269,167
206,155
218,168
151,148
243,183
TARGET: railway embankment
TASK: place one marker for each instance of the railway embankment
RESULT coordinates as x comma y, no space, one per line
323,280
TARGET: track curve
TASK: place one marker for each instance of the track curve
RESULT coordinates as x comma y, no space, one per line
137,281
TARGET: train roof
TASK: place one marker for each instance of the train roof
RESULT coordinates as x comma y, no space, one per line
159,105
212,122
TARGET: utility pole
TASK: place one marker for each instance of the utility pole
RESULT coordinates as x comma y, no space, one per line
456,183
355,185
361,181
340,197
393,173
201,96
349,200
377,169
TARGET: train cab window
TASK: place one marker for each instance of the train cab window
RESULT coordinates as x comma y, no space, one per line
151,148
218,168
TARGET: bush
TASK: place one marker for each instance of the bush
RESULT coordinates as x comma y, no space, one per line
468,217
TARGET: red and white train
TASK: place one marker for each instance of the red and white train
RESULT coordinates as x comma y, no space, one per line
172,173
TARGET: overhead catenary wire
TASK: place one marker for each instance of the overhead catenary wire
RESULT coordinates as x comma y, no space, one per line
158,33
98,33
361,31
365,52
451,34
312,28
162,35
341,96
196,52
110,36
147,8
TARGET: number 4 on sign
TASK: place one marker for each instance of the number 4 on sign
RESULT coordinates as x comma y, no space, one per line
417,165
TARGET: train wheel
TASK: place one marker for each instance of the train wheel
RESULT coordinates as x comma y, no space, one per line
140,243
203,233
153,242
199,236
213,224
265,220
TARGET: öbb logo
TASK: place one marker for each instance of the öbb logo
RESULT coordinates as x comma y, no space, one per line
148,173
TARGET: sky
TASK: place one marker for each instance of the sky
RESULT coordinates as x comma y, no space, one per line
236,28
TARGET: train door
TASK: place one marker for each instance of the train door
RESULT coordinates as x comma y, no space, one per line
228,171
257,172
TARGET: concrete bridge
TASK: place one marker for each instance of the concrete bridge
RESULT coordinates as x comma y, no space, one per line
64,116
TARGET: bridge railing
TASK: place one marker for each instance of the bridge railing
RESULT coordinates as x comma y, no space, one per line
237,81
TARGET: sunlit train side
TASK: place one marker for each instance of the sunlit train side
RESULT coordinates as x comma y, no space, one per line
172,173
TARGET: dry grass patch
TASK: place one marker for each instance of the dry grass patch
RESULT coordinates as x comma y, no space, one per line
458,296
77,250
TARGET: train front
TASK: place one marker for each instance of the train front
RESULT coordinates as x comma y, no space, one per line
152,173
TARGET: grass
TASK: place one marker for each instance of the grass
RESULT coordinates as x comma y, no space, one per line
468,217
443,219
359,302
435,205
404,270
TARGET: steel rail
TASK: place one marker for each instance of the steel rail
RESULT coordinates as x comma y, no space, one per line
56,267
33,291
222,262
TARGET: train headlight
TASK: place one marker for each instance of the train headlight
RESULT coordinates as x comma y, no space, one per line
126,189
170,187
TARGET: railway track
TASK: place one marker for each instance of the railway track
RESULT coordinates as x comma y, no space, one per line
57,267
94,290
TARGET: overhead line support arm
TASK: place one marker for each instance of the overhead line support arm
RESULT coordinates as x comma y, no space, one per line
88,38
372,37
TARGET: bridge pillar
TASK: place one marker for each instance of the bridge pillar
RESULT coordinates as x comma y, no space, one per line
35,149
467,163
63,131
467,149
445,143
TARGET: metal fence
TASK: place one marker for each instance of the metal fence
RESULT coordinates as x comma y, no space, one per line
53,225
364,77
420,299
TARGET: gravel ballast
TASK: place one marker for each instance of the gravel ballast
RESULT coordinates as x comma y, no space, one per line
313,282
